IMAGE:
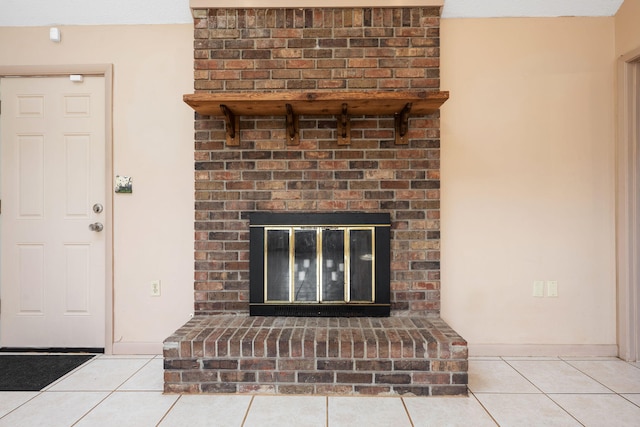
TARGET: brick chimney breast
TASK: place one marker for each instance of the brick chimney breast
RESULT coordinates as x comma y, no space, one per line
302,50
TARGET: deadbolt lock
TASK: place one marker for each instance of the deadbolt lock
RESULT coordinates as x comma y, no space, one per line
97,208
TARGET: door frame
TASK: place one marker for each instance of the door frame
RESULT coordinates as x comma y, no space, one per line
628,206
106,71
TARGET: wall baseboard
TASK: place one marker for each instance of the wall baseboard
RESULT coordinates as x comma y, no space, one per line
543,350
130,348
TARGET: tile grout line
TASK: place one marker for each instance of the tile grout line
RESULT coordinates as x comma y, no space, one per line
485,409
547,395
173,405
326,411
622,395
407,411
132,375
522,375
90,409
110,393
573,367
38,393
246,413
630,401
589,376
543,392
563,409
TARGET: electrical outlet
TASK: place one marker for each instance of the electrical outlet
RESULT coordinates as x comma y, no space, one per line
538,288
552,288
155,288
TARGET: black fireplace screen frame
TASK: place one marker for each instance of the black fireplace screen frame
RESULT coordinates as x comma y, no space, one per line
379,305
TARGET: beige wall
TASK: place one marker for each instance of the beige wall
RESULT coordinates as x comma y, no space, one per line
528,184
527,176
153,143
628,27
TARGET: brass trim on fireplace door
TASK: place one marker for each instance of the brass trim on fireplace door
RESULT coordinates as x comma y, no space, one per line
347,237
347,268
292,265
266,264
319,259
319,264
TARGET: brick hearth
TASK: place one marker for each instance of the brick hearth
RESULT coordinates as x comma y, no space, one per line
289,355
321,49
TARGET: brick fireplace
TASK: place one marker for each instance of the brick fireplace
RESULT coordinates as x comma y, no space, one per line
253,51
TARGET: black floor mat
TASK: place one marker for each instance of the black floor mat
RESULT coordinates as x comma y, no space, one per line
34,372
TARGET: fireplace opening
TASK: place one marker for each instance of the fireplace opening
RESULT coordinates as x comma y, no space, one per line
319,264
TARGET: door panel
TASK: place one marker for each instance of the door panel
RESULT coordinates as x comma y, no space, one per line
30,176
52,266
31,279
77,295
77,161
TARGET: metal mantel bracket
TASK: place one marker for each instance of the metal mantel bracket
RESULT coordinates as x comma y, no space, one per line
293,137
344,127
402,124
233,126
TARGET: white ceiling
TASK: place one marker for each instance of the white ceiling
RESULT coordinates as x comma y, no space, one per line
103,12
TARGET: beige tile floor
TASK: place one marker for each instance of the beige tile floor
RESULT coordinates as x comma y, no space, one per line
127,391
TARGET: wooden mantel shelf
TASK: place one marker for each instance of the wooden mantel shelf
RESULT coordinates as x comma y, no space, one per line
342,104
374,103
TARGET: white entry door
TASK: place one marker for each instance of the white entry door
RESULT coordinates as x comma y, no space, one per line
52,259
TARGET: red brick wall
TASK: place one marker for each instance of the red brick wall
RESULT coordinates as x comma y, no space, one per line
316,49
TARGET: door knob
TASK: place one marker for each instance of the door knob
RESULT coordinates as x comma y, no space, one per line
97,208
96,226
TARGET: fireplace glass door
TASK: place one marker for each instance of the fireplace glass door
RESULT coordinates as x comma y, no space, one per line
319,264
